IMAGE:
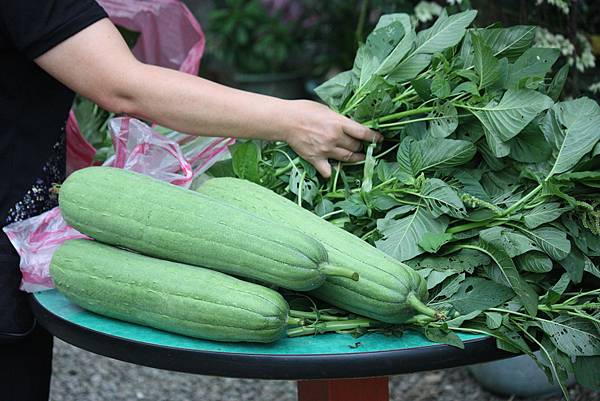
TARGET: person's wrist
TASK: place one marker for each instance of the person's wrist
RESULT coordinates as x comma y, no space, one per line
286,120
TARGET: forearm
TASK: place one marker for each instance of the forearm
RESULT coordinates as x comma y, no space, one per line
197,106
108,74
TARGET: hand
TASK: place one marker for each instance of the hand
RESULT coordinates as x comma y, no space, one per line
317,134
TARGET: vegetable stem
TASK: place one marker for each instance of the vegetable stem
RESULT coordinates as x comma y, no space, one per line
325,216
470,226
317,316
294,321
300,185
288,167
338,271
524,200
420,320
329,326
397,116
423,309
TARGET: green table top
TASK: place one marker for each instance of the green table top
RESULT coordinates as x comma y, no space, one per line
326,356
333,343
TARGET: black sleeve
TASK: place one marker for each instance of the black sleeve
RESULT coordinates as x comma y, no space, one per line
36,26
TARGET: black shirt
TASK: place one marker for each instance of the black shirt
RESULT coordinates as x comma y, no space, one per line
33,105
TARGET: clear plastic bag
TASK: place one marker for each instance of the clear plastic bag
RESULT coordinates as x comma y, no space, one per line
138,148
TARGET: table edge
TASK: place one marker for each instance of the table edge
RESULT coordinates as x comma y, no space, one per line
267,366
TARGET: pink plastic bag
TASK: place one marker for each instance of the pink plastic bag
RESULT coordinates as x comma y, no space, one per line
80,153
170,37
138,148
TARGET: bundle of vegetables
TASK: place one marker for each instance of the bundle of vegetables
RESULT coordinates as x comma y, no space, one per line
486,183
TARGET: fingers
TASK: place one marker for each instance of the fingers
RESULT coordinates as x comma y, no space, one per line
360,132
323,167
346,155
349,143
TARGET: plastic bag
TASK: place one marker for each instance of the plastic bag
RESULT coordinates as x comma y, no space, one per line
138,148
80,153
170,37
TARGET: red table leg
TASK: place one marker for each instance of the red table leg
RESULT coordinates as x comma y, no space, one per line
373,389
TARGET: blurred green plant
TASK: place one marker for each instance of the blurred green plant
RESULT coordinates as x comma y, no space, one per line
257,36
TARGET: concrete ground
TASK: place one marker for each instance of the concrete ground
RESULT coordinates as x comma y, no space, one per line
82,376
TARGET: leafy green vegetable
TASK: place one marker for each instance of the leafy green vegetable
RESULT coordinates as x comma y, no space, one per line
484,184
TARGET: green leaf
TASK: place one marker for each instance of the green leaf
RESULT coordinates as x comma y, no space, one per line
382,201
590,178
377,54
509,272
530,145
591,268
436,277
509,42
445,32
477,294
513,243
432,242
415,157
493,320
551,240
458,321
500,149
574,264
409,68
401,49
245,157
470,180
506,119
324,207
553,295
301,184
422,87
486,65
440,199
509,339
377,102
337,90
535,262
543,213
449,288
354,206
572,336
587,371
385,47
467,74
401,236
440,336
466,87
440,87
534,63
571,128
465,260
558,83
445,121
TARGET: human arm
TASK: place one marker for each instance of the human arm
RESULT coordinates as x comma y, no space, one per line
97,63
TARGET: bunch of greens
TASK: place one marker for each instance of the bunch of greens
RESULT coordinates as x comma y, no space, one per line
486,183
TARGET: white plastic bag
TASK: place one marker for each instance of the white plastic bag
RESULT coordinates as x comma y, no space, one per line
137,148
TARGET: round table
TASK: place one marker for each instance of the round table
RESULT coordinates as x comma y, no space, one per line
330,367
